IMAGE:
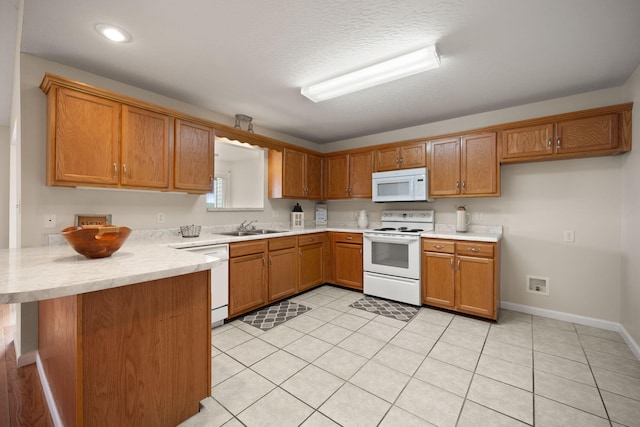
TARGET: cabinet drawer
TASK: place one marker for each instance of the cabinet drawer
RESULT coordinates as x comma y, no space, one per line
282,243
310,239
436,245
247,248
475,249
348,237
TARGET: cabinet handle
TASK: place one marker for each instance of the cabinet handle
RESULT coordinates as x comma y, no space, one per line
270,260
459,265
558,142
549,144
464,185
346,190
473,249
451,263
398,161
264,264
360,251
115,171
401,160
457,185
438,246
124,170
348,238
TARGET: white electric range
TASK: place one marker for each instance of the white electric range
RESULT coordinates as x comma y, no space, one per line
392,255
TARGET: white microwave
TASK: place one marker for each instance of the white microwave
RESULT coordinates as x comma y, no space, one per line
406,185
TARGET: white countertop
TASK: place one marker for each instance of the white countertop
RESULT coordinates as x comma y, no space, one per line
32,274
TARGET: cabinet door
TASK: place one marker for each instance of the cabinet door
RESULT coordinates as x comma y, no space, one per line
87,140
294,173
313,176
360,170
474,286
145,148
438,284
590,134
282,274
247,283
479,165
387,159
444,167
347,258
310,268
194,157
337,168
530,141
413,156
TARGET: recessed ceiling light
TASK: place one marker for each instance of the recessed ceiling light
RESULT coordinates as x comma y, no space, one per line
113,33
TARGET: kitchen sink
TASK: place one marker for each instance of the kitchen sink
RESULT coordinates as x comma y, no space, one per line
249,233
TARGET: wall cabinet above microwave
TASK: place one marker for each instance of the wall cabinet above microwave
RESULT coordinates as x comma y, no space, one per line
408,156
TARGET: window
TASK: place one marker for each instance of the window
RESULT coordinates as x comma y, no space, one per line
239,178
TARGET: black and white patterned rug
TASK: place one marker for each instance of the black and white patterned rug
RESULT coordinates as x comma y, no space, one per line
391,309
274,315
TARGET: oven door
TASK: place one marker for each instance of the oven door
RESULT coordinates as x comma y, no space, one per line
395,255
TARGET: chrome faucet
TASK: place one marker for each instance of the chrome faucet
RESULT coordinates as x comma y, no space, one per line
245,227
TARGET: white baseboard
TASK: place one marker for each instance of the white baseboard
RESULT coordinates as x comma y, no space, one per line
26,359
574,318
48,394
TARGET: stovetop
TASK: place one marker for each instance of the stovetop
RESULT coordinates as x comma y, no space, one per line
405,222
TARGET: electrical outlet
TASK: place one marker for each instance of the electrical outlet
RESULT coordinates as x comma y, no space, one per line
569,236
49,220
160,217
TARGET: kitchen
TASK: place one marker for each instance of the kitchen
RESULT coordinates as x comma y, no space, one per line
533,209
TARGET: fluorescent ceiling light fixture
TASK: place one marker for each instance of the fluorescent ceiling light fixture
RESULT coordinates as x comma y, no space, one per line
113,33
393,69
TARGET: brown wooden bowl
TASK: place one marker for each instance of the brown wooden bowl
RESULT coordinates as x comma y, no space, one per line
96,241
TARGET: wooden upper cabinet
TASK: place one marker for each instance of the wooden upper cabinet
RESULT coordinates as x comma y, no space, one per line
360,171
337,177
528,141
589,134
464,167
145,149
193,157
294,174
479,165
83,139
568,138
403,157
444,167
349,175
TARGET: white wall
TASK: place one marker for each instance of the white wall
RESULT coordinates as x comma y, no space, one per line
539,201
4,186
244,176
134,209
630,225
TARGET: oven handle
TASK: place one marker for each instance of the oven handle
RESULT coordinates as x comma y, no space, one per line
385,238
386,276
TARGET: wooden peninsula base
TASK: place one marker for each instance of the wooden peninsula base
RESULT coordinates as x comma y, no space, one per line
131,355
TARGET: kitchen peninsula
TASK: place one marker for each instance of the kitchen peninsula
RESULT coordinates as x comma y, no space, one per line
123,340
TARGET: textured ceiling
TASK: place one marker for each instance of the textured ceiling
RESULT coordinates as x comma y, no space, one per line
252,56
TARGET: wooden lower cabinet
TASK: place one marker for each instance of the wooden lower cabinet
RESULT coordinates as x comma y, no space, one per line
462,275
131,355
312,260
248,277
283,280
346,254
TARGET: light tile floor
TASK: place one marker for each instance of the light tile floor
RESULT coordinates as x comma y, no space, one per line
339,366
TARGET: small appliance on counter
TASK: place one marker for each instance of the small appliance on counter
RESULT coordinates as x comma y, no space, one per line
363,221
463,219
321,214
297,217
